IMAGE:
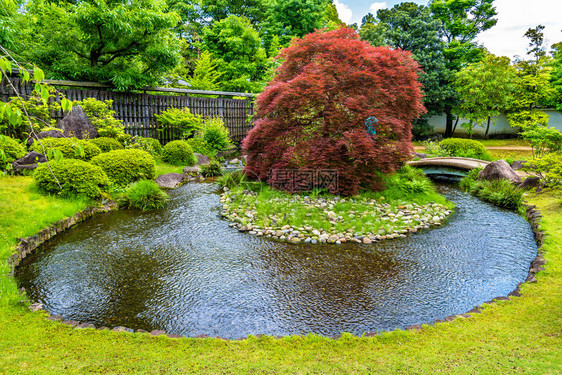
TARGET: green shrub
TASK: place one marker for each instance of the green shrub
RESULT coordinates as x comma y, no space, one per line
143,195
150,145
199,145
10,151
76,177
549,167
71,148
180,123
178,153
212,169
107,144
216,135
499,192
126,166
102,117
467,148
467,182
543,139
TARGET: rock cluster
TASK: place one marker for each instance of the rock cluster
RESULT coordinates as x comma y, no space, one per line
387,221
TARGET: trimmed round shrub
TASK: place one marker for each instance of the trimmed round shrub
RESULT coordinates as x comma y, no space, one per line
76,177
150,145
126,166
107,144
467,148
178,153
216,135
10,150
68,147
144,195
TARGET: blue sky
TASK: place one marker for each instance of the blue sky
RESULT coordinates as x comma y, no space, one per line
505,39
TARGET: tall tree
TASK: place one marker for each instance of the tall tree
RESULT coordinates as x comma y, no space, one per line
556,76
8,22
411,27
485,89
537,46
238,51
217,10
128,44
295,18
462,21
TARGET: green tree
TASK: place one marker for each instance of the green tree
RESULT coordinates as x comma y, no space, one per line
485,89
239,55
128,44
217,10
556,75
205,75
8,22
462,21
296,18
411,27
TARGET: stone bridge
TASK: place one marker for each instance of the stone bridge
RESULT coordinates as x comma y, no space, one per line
448,166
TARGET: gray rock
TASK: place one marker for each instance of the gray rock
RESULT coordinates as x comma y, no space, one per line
36,307
170,180
530,183
28,162
499,170
47,134
518,164
77,124
157,332
191,171
201,159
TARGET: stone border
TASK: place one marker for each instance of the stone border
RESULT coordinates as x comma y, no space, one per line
28,245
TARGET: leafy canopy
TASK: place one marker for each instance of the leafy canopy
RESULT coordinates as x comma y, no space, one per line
128,44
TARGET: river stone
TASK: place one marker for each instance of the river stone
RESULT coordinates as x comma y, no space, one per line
170,180
77,124
45,134
29,161
499,170
201,159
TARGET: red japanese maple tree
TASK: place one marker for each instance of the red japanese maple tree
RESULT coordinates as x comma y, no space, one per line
312,116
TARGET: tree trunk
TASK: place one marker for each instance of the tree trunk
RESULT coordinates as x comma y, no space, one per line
455,127
449,124
487,128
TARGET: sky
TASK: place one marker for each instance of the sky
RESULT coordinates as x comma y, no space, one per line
504,39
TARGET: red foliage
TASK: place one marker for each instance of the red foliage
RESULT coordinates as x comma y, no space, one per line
312,115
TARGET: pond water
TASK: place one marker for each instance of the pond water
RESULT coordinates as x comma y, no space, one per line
184,270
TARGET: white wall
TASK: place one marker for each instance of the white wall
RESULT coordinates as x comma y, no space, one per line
501,126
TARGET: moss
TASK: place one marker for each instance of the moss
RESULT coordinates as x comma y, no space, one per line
126,166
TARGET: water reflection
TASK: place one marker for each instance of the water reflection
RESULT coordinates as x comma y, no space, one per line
184,270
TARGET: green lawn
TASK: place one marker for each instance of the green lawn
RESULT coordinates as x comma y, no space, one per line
523,335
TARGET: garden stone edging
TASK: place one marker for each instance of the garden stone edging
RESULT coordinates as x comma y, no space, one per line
29,244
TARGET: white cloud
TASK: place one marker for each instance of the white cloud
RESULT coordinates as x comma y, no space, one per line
514,18
344,13
376,6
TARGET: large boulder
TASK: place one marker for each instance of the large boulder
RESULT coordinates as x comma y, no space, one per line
46,134
499,170
170,180
77,124
28,162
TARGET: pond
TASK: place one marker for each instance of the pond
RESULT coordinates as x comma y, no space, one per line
185,271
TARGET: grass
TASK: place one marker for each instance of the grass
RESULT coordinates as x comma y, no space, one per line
164,168
522,335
